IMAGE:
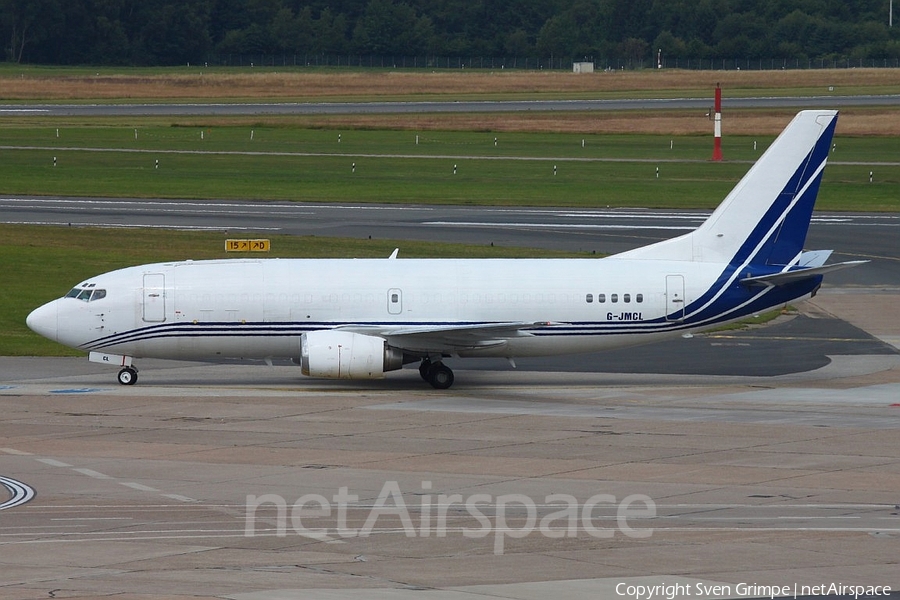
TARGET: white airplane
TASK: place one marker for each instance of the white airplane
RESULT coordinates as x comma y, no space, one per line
360,318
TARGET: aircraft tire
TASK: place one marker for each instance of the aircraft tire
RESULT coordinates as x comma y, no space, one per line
440,376
128,376
424,368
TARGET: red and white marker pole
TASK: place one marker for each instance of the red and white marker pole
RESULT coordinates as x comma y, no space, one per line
717,143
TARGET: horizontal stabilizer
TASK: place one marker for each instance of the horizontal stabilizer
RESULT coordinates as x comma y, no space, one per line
786,277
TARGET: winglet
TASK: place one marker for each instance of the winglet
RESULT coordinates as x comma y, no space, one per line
813,258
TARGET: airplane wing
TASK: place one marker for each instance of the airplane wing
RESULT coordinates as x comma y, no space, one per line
784,277
449,337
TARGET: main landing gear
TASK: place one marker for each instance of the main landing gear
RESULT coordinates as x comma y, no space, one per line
437,374
128,376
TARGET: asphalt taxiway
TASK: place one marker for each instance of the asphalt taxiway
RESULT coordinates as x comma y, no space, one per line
484,106
250,482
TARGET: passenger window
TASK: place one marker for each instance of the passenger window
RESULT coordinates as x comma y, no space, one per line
626,298
601,298
98,294
589,298
639,298
613,297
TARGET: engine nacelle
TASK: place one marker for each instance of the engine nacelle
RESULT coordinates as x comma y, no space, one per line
347,355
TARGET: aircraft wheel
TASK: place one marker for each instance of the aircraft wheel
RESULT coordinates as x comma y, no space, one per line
440,376
128,376
424,368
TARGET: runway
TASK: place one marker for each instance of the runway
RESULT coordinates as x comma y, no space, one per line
335,108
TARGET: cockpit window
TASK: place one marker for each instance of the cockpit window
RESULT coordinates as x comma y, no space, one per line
86,295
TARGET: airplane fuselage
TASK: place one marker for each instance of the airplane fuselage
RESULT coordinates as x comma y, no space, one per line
260,308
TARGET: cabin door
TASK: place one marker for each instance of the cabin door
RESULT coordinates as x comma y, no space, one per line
154,297
674,297
395,301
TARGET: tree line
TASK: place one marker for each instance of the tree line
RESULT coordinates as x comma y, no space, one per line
172,32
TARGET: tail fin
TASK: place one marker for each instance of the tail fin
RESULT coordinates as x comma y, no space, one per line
765,218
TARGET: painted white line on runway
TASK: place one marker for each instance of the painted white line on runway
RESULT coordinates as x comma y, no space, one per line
307,208
94,537
15,452
93,519
53,462
138,486
180,498
141,226
551,225
138,207
103,476
93,473
614,214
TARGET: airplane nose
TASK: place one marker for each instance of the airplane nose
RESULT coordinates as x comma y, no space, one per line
44,320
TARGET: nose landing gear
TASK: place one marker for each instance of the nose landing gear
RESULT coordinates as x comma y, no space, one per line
439,375
128,373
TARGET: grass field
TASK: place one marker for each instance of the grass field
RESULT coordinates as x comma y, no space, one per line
286,163
384,141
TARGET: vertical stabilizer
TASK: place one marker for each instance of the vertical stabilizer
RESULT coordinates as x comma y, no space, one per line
765,218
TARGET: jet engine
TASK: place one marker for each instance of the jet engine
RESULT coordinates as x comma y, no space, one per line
347,355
